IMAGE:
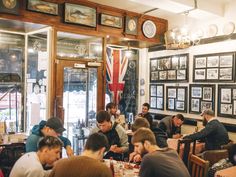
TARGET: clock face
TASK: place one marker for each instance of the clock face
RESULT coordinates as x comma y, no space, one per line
132,25
9,4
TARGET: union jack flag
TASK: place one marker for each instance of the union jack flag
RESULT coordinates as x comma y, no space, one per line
116,64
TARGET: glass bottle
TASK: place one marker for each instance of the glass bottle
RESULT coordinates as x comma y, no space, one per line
112,167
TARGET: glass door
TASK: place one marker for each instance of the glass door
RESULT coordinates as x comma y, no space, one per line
76,96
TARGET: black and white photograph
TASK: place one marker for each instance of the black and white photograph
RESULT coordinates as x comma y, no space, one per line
213,61
225,95
234,94
181,74
200,74
182,62
212,74
160,90
200,62
195,105
153,66
207,93
206,105
234,107
225,74
180,94
196,92
171,75
165,63
154,76
171,104
171,92
162,75
153,102
174,62
226,61
160,103
153,90
180,105
226,109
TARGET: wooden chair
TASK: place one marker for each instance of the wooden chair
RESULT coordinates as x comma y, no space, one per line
197,167
214,156
188,146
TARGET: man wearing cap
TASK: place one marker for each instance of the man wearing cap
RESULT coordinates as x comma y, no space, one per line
214,134
51,127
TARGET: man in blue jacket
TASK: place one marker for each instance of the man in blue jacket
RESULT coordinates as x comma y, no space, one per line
51,127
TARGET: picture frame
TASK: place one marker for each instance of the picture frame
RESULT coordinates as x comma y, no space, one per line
177,98
202,96
43,7
10,7
214,67
172,68
157,96
111,20
226,101
87,17
131,25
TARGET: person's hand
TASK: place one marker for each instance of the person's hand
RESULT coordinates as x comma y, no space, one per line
116,149
135,157
69,151
176,136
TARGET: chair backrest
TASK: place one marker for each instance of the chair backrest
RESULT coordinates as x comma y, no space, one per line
214,156
184,147
197,167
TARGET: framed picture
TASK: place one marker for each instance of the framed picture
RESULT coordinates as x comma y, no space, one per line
79,14
200,62
212,61
160,90
180,105
153,90
181,94
226,101
214,67
170,68
131,25
160,103
157,96
207,93
153,102
110,20
234,94
195,105
202,96
43,7
171,92
10,7
171,104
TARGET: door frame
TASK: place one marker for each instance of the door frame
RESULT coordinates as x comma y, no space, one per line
59,84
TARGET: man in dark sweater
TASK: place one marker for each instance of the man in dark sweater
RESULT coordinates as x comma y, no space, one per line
88,164
157,162
172,125
214,134
145,114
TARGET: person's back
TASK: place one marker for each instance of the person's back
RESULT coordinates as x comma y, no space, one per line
163,163
80,166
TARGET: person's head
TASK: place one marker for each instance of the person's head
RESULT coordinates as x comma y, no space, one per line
53,127
97,143
104,121
232,154
207,114
145,108
49,149
178,120
111,108
138,123
143,139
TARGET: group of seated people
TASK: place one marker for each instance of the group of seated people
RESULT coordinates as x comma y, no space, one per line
109,139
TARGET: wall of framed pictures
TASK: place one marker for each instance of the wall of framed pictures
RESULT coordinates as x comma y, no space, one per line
169,68
157,96
201,97
176,98
214,67
227,101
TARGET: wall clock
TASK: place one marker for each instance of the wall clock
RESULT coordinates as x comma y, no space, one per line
149,29
9,6
131,25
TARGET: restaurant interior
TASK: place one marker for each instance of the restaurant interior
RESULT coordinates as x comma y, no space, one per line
70,58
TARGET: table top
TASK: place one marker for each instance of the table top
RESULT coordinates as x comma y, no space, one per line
228,172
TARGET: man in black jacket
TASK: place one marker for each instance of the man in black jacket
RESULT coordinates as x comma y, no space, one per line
214,134
146,115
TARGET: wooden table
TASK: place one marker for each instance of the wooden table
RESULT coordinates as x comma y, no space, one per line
228,172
